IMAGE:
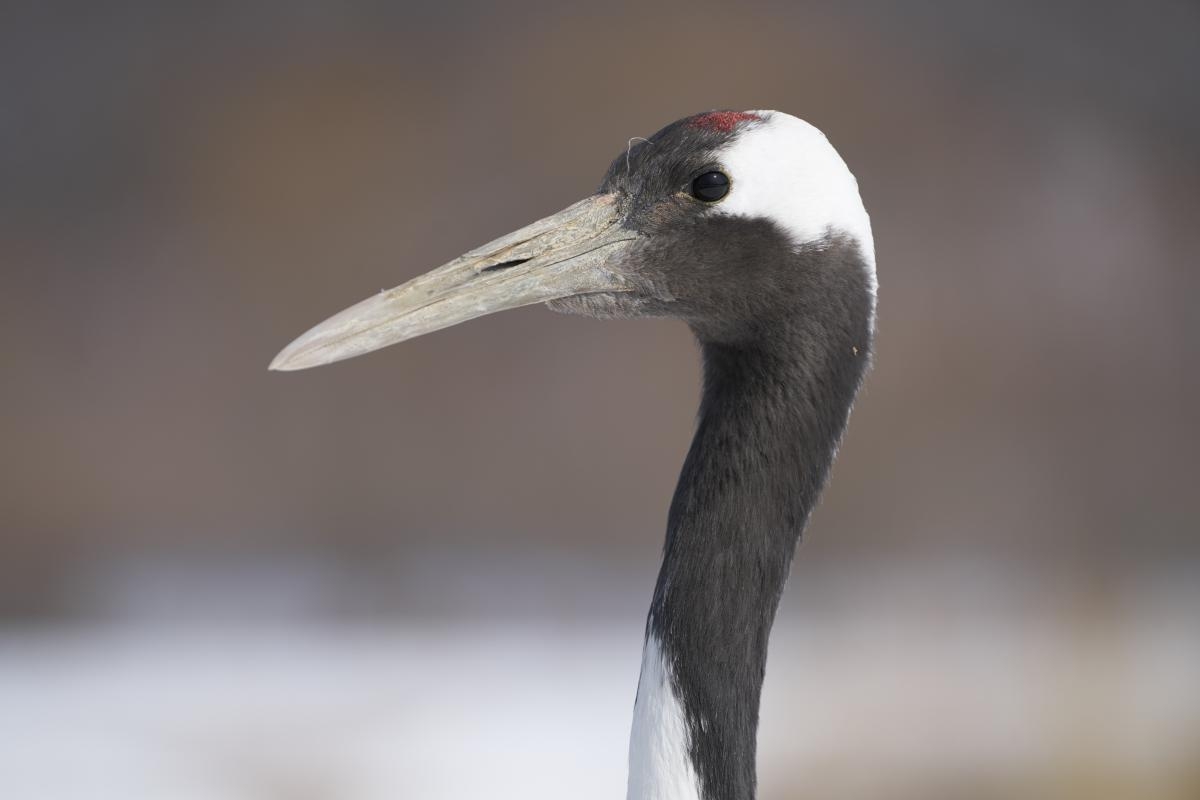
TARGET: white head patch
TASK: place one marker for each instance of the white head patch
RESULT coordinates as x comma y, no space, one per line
785,170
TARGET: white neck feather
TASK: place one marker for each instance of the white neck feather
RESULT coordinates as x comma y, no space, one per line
659,765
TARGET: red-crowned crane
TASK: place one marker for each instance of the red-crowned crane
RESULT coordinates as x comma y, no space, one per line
749,227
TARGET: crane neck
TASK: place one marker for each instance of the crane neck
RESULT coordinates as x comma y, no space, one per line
773,410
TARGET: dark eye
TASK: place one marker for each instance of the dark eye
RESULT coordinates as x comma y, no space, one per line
710,187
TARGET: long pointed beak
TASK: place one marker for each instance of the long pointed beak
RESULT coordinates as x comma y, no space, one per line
563,255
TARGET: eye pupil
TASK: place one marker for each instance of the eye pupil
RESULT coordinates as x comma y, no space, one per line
710,187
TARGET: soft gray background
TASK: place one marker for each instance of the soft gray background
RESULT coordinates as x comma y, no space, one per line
1001,586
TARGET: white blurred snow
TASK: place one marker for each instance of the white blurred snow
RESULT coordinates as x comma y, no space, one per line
924,674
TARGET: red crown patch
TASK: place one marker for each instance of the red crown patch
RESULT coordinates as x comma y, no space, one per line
723,121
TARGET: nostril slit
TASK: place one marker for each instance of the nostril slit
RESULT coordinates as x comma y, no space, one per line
504,265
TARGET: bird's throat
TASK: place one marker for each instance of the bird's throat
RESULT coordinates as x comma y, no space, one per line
772,414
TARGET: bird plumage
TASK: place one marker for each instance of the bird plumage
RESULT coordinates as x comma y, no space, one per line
748,227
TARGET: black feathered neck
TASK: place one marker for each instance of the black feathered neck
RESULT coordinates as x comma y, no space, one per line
773,410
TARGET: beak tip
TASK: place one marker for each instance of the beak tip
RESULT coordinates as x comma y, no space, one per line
290,359
279,364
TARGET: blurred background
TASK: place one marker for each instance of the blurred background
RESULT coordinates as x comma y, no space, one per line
424,573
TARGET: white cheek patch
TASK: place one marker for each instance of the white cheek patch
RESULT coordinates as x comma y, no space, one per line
785,170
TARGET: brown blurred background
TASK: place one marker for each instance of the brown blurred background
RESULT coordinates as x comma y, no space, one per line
1006,560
